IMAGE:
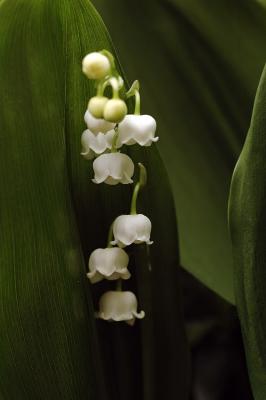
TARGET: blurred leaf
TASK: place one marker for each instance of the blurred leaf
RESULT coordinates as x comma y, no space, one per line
198,63
262,2
247,217
52,216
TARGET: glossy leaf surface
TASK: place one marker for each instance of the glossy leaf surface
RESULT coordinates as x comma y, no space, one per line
53,216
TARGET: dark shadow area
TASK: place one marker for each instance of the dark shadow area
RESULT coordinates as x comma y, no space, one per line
218,362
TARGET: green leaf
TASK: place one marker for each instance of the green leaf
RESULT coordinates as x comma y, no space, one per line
53,216
198,64
47,336
247,217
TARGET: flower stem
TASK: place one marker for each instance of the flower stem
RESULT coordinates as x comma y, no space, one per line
134,91
115,87
133,208
141,183
110,57
110,237
101,87
114,141
137,103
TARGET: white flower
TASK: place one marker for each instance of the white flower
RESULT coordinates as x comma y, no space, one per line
110,263
97,125
113,168
94,144
137,129
95,65
128,229
119,306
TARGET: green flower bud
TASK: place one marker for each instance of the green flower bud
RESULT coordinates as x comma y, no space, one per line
115,110
95,65
96,106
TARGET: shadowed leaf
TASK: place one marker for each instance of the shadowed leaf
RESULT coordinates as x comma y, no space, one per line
199,63
247,217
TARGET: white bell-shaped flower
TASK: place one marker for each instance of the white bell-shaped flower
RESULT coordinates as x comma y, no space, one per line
137,129
119,306
95,144
113,168
128,229
110,263
96,125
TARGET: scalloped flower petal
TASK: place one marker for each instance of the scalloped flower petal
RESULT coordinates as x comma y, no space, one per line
95,144
128,229
109,263
119,306
138,129
113,168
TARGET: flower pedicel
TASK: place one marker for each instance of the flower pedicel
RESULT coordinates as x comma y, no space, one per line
109,129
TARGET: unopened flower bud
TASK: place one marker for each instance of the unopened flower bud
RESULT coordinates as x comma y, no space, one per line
95,65
115,110
96,105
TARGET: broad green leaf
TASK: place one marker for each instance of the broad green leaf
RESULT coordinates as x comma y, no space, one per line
199,63
53,216
247,217
47,335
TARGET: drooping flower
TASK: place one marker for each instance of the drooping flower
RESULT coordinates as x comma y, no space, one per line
97,125
119,306
113,168
137,129
128,229
110,263
95,65
95,144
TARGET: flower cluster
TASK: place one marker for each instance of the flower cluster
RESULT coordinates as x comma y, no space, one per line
109,127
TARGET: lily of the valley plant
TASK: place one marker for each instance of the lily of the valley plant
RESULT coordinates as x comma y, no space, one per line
109,127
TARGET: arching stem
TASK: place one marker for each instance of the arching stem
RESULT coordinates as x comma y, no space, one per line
102,86
141,183
137,103
115,87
